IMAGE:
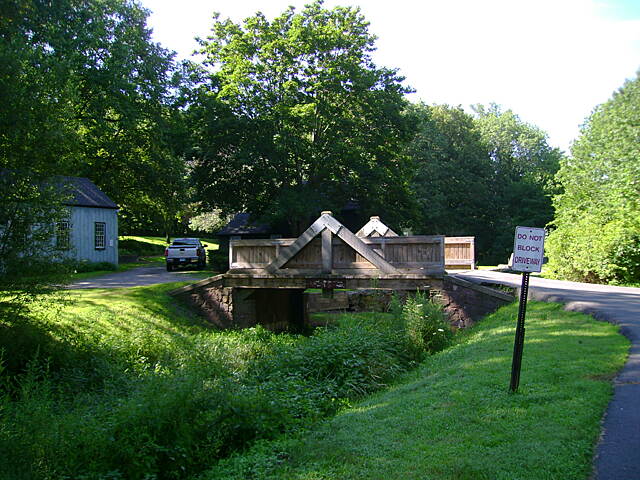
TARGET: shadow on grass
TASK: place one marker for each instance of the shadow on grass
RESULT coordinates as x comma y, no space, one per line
82,330
454,418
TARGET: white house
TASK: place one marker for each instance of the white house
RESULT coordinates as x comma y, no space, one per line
90,231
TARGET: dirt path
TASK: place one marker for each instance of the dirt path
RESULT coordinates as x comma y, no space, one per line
137,277
618,452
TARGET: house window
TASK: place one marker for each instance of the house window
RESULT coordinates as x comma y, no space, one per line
100,235
63,235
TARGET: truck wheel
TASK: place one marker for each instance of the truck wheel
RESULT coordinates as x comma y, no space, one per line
169,267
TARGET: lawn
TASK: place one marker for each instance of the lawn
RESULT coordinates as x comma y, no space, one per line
147,248
125,383
454,417
212,244
128,384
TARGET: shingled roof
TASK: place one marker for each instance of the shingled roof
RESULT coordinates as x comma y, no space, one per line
82,192
241,224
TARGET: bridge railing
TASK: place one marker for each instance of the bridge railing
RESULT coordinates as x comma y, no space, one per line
422,254
459,253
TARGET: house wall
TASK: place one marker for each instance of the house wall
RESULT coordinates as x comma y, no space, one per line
82,237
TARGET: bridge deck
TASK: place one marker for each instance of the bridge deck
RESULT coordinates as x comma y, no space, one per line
326,282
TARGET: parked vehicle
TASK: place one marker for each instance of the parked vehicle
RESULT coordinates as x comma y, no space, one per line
185,252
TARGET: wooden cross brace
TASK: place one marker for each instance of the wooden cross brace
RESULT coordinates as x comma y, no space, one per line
328,226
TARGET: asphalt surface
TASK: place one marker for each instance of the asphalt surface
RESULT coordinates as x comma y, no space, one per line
138,277
618,452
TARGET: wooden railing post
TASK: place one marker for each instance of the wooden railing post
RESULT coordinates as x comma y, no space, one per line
327,248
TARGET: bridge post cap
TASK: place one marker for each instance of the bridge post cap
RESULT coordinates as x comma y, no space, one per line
326,212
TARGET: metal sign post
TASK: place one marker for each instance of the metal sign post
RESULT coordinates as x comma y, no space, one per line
518,344
528,252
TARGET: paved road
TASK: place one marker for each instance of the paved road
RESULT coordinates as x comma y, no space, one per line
618,452
137,277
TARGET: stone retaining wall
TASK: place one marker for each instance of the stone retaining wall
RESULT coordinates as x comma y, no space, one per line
466,302
229,307
216,304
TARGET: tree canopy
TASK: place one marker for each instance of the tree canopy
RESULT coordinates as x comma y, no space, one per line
453,174
480,175
282,118
524,166
597,235
305,120
86,92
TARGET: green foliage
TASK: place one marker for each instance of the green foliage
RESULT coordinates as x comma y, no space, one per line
426,325
86,92
454,177
454,418
294,117
480,176
218,260
125,384
29,210
209,222
521,188
31,264
598,214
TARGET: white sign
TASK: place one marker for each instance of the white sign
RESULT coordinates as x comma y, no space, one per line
528,249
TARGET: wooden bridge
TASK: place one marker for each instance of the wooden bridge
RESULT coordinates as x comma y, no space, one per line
267,278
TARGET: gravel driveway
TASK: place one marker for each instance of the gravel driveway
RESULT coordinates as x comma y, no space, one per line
137,277
618,452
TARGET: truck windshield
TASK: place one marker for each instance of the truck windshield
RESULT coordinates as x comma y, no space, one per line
185,241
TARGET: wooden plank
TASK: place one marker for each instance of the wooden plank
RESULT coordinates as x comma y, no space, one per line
404,240
459,261
327,251
416,265
287,253
374,225
459,239
331,223
365,250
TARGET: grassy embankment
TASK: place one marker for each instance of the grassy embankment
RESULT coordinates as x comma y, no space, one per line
135,387
124,384
454,418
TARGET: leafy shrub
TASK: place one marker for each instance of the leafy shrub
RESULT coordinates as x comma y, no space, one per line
597,215
426,325
611,255
218,260
168,403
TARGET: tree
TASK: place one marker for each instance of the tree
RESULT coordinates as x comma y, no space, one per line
303,119
524,165
597,217
454,175
86,92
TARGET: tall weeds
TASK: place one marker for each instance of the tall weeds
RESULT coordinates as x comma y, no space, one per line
168,415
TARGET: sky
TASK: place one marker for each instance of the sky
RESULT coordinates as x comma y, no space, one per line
549,61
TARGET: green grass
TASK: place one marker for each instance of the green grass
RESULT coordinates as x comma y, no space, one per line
212,244
128,384
454,418
143,261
